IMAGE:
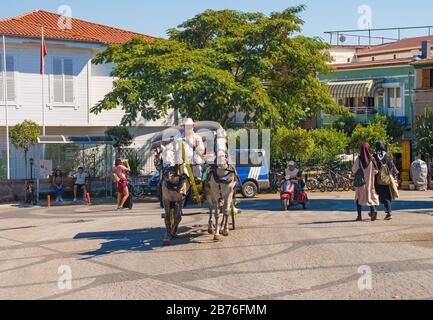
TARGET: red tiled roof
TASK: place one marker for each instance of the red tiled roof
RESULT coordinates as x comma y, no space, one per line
29,25
401,45
369,64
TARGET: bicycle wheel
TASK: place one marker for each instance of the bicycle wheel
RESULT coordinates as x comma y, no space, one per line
311,185
330,186
138,191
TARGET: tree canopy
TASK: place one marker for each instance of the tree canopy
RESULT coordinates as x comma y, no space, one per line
424,133
23,136
121,136
219,63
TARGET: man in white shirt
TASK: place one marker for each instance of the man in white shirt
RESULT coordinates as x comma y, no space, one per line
80,179
195,149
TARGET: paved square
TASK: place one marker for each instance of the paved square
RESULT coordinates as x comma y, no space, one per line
313,254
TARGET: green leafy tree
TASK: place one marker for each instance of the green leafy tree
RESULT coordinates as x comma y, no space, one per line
219,63
394,128
372,133
291,144
328,144
134,162
424,133
121,136
23,136
346,123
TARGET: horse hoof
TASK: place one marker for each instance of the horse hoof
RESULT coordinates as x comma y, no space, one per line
217,237
225,233
210,231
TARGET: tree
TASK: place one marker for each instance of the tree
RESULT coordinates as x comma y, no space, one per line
23,136
219,63
328,144
424,133
394,128
291,144
372,133
121,136
346,123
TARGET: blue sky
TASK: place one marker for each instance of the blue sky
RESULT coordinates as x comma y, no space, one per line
156,16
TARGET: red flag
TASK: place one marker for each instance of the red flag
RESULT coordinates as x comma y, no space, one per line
43,53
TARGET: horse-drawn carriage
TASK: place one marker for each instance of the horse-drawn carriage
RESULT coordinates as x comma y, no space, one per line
217,185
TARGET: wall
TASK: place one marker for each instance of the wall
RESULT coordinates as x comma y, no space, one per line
11,191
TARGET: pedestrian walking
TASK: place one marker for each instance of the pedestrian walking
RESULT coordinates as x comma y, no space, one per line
384,182
119,174
365,170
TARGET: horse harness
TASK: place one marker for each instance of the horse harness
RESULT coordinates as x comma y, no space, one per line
174,171
227,179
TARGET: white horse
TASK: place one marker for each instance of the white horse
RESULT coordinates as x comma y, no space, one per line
220,187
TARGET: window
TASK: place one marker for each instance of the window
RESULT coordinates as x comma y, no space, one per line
63,81
10,79
393,98
380,98
427,78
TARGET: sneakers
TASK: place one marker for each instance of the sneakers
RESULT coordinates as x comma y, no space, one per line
388,217
75,200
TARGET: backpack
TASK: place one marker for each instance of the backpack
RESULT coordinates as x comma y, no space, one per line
384,177
359,178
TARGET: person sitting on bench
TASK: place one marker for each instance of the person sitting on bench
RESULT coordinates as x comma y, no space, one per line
80,179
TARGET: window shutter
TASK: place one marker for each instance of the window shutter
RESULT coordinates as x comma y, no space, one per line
10,78
426,81
58,80
69,81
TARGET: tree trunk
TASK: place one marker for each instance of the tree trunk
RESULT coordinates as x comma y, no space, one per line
25,164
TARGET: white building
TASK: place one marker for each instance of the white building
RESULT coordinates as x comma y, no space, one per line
73,85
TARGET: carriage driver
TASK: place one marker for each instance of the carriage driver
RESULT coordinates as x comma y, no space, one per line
195,149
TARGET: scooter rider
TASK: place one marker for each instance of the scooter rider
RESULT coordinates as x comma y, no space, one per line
294,174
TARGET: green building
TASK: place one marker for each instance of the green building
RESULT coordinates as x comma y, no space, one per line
370,88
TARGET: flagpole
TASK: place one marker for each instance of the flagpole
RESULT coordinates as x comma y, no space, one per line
43,84
5,92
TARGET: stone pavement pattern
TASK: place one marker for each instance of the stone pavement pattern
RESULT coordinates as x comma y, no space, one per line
272,255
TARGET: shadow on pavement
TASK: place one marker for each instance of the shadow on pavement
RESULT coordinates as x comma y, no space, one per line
138,240
339,205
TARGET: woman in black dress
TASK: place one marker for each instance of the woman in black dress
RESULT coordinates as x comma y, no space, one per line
384,191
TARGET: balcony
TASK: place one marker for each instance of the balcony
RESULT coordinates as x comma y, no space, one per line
362,115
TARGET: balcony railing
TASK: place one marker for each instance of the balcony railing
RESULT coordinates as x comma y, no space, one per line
363,110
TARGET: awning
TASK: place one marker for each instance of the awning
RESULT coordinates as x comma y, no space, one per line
94,140
354,89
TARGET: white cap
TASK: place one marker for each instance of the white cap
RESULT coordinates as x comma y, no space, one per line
292,163
188,122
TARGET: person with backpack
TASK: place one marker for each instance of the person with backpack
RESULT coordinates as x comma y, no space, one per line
365,170
385,178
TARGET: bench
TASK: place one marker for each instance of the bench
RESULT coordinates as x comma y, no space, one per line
95,187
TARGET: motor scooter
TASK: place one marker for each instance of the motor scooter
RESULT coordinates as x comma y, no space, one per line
290,197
